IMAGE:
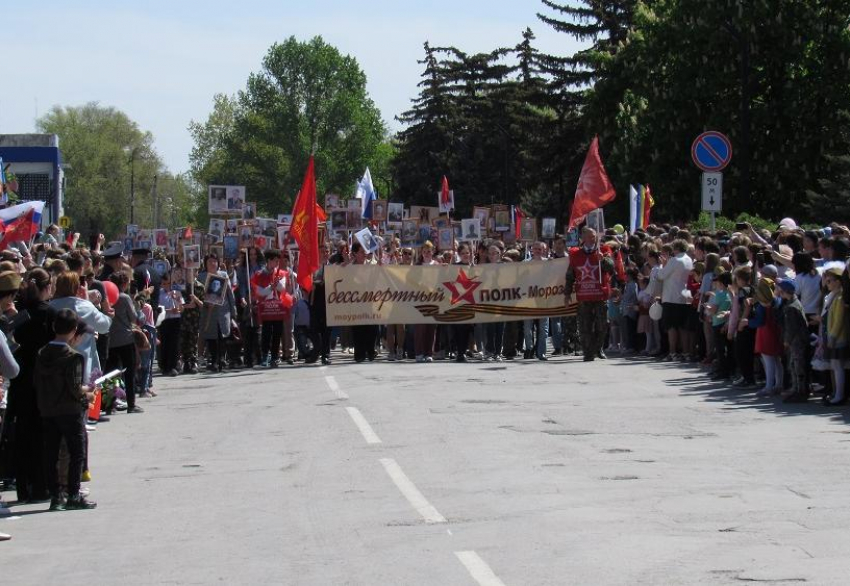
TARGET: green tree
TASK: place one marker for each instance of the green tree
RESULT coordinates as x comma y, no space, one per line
586,89
306,98
98,144
478,119
772,75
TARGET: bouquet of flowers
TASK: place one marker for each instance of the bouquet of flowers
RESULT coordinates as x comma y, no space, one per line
111,387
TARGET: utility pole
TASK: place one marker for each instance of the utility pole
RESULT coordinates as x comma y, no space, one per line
132,187
155,204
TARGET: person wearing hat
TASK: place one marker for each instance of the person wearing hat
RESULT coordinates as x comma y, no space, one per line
836,332
31,336
144,276
768,336
112,258
10,283
795,337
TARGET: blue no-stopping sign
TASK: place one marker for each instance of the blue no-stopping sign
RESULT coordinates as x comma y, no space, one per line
711,151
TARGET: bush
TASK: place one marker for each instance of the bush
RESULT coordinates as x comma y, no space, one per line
728,224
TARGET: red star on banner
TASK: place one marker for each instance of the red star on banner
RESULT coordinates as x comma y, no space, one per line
588,271
469,287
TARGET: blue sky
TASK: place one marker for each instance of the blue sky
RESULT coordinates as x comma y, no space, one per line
161,62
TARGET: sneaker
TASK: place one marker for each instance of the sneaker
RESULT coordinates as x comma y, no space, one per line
391,357
91,427
542,357
120,405
497,358
79,503
57,504
429,359
135,409
5,537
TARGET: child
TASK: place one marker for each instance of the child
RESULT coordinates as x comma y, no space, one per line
301,321
795,336
768,337
629,309
615,340
647,325
143,373
719,310
745,334
63,401
836,333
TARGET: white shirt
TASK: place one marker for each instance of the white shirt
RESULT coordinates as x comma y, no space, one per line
674,278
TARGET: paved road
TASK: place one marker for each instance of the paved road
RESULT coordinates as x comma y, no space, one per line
524,473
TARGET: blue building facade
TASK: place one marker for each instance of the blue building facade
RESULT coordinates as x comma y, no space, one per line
36,161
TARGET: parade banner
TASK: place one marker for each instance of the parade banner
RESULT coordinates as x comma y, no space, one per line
372,294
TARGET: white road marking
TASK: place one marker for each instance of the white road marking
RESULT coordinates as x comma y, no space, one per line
368,433
478,569
411,493
334,386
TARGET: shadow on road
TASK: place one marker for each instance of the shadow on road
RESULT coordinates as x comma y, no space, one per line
692,381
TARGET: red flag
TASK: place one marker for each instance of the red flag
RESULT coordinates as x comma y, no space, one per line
518,216
619,267
444,192
320,214
69,238
647,206
305,228
20,229
594,188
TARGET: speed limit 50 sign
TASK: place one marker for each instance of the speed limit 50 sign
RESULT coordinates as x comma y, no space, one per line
712,192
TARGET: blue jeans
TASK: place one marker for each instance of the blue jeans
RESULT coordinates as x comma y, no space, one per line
556,327
144,372
542,334
148,363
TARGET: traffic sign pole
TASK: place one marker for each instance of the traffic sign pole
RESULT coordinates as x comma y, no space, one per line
711,152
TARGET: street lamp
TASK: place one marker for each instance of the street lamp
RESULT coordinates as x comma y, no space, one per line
132,153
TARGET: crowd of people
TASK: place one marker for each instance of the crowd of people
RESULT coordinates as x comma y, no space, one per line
760,310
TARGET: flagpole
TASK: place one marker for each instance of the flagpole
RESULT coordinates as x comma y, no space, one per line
248,274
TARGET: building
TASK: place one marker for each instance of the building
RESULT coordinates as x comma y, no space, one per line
36,161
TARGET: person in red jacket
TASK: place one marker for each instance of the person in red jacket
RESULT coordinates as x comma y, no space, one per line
589,278
265,284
